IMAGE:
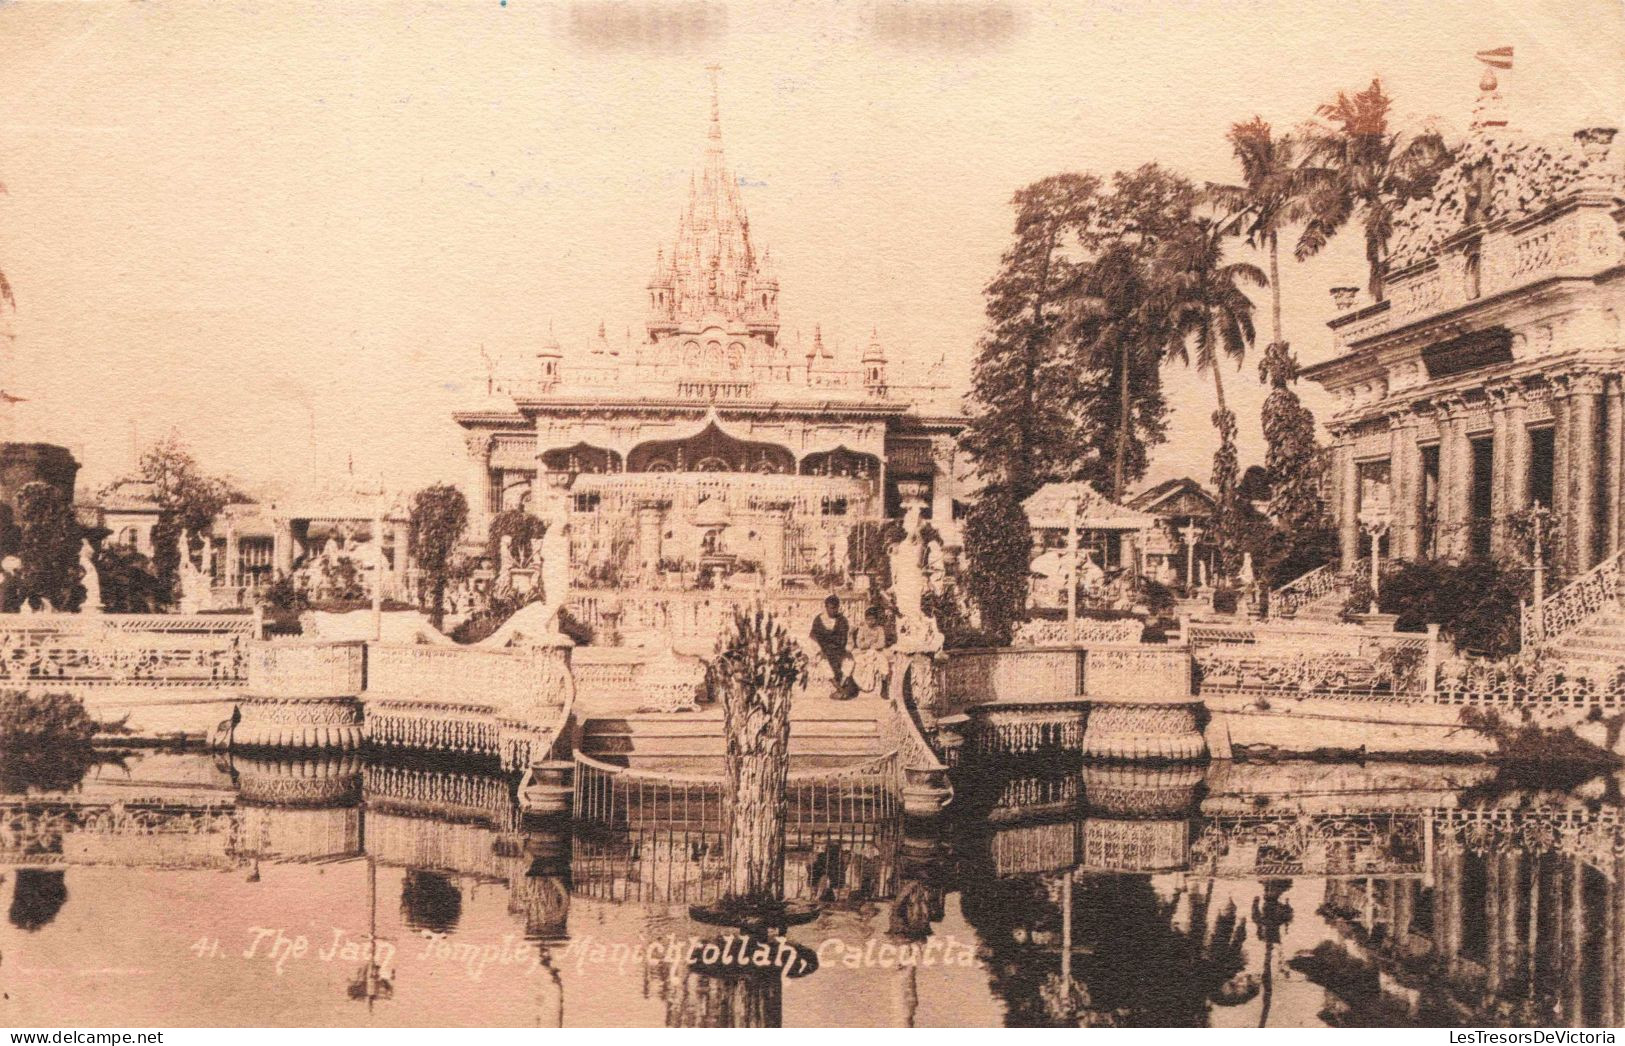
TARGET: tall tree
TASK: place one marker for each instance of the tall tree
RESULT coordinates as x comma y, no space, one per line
1271,197
1359,167
1213,322
49,548
1119,313
189,500
438,518
1024,429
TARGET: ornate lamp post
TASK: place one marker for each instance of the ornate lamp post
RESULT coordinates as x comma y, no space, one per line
1190,533
1376,524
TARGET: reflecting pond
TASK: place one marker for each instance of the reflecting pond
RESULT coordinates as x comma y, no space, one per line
162,888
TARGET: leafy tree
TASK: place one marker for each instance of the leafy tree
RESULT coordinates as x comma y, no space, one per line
1024,430
49,548
1293,456
129,583
438,518
517,524
998,550
189,500
1359,167
1213,320
1476,603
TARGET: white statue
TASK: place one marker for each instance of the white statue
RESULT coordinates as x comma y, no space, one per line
1091,574
538,622
191,578
92,580
505,563
917,632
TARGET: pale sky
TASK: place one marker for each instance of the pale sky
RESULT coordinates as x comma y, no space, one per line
237,219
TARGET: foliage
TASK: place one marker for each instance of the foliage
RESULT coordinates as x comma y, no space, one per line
1358,167
1066,384
1024,429
499,608
1295,460
758,655
1212,321
1475,603
38,896
48,548
439,516
129,584
948,609
43,719
283,595
517,524
998,549
188,499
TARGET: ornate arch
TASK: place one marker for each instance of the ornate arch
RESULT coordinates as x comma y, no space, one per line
582,457
710,450
842,461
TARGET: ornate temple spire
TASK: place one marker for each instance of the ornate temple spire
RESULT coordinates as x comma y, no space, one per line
713,274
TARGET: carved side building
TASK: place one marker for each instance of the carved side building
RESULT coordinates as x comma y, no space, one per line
1489,380
711,438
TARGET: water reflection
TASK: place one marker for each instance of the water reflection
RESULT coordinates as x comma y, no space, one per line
165,888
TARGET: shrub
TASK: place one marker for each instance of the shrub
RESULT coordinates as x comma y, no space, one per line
38,719
998,548
1476,603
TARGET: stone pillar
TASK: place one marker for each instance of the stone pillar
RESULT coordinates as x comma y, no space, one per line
1586,396
478,494
1455,482
1348,505
1575,950
942,486
1499,454
1614,467
651,525
282,541
1561,473
1516,493
1401,486
233,572
401,539
773,527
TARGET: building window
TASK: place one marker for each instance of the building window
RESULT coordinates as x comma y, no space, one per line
587,502
833,507
1542,461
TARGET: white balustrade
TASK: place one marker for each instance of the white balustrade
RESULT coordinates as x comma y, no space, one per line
294,669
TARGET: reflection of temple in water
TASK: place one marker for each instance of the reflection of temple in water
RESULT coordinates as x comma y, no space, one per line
1442,905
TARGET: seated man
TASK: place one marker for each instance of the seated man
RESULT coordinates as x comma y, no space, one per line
830,630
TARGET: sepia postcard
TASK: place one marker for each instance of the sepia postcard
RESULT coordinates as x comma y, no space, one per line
882,514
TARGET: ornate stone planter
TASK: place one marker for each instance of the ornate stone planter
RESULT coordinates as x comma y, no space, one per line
1141,706
302,696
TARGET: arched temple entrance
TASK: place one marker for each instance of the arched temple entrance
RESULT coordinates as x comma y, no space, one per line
583,457
711,450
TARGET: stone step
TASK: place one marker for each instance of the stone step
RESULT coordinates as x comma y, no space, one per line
622,744
713,765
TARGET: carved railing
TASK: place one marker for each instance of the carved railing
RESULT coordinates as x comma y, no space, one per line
1293,660
698,617
1008,674
1293,596
286,668
1546,681
118,658
1574,604
1080,630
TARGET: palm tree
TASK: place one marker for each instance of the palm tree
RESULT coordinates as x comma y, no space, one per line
1356,166
1269,198
1115,305
1212,317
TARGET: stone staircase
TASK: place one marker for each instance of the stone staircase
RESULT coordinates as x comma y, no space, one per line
1325,610
1600,639
823,734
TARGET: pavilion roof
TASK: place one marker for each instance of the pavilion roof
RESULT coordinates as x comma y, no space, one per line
1051,507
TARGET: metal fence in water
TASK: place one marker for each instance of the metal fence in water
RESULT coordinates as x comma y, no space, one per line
659,837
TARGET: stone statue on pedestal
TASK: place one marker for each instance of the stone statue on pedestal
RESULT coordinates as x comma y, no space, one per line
92,580
917,631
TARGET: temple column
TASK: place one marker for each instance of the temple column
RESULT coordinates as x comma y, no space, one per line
479,484
282,546
651,523
1517,457
942,487
1614,464
1587,394
232,573
400,539
1507,931
1561,473
1499,471
1455,482
1402,477
1348,505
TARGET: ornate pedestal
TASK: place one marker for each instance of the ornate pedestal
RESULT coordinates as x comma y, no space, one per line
332,723
1141,706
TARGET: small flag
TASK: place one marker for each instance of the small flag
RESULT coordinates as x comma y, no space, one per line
1500,58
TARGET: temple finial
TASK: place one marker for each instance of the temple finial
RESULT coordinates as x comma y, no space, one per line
716,107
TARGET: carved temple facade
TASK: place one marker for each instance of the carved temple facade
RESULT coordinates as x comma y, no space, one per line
711,445
1489,379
